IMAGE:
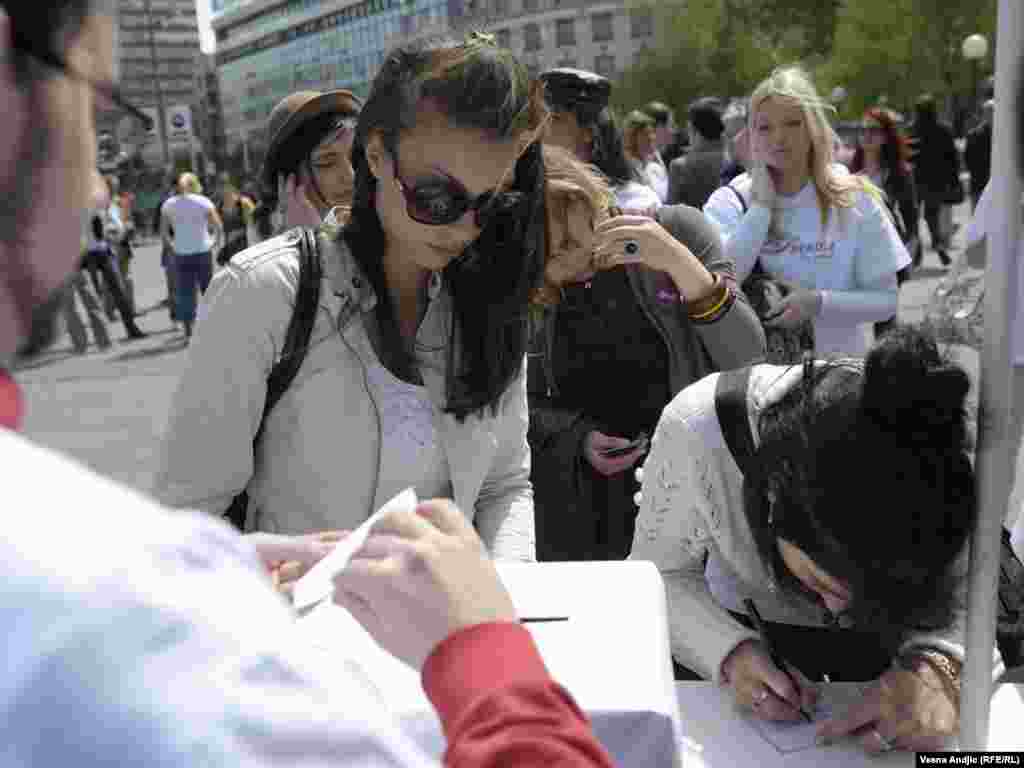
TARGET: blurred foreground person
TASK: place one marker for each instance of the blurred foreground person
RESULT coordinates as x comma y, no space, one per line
175,650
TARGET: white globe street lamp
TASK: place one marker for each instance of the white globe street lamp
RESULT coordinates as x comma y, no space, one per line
975,48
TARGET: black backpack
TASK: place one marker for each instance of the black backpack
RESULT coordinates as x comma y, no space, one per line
731,410
296,344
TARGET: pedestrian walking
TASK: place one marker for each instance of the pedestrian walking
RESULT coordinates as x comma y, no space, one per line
936,174
78,288
187,220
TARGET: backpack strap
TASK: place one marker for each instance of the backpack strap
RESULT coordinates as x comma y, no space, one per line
296,344
743,203
733,419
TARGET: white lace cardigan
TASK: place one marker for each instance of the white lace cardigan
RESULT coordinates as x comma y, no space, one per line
691,503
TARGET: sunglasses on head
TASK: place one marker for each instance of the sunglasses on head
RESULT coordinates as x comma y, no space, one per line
439,200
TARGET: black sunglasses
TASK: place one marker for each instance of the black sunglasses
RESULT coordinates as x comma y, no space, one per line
440,200
110,95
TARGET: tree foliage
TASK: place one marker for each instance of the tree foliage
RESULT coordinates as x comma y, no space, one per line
875,49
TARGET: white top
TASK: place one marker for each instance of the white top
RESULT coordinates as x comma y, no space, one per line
410,454
634,197
853,260
977,230
189,215
657,175
173,650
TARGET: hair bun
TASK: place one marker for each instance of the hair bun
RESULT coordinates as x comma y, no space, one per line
909,389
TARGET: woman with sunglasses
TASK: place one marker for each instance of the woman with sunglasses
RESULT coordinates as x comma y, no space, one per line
307,170
843,521
415,375
883,155
632,310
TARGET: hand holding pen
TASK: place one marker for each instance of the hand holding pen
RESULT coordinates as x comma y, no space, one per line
771,690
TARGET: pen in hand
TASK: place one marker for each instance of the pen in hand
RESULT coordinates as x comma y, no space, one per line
772,652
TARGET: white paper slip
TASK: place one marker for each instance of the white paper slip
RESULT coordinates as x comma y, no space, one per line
318,583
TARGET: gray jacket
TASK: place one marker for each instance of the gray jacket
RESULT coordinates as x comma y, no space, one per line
693,177
317,463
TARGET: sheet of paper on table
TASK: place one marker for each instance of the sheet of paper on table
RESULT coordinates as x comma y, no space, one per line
318,583
788,737
716,734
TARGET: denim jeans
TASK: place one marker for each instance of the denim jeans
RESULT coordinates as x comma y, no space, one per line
192,271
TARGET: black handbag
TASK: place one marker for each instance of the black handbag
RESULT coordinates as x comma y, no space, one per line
296,344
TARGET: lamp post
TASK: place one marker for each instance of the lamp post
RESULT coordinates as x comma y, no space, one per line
161,110
975,48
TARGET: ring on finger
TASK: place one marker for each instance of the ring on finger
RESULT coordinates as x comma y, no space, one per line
884,743
631,248
759,698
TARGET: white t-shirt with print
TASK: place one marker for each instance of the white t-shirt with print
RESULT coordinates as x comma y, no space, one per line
853,259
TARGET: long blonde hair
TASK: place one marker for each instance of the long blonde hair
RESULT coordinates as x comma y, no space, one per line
188,183
834,190
569,181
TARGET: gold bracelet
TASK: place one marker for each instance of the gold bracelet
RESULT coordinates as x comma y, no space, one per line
941,663
717,299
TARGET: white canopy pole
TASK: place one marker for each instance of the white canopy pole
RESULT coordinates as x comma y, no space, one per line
995,455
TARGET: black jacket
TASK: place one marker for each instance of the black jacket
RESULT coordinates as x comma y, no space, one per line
570,498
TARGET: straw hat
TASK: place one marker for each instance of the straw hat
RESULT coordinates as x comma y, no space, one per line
297,109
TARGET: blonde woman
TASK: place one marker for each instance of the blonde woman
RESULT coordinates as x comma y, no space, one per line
198,232
805,220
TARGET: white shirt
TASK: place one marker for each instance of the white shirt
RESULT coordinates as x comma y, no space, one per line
977,230
410,453
657,175
189,216
634,197
853,260
134,636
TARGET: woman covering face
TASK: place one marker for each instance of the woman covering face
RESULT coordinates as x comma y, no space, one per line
641,306
414,373
842,516
807,222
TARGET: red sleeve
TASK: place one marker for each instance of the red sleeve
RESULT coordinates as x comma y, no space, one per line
499,705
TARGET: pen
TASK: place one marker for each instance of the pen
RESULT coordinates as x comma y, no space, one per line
542,619
762,630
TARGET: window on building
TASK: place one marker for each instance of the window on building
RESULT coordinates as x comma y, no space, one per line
500,8
504,37
531,38
531,6
605,64
641,22
565,32
567,62
601,23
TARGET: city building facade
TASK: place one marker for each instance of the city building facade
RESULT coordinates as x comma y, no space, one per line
157,49
267,49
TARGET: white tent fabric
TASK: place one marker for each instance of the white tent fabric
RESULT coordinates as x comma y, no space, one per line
995,454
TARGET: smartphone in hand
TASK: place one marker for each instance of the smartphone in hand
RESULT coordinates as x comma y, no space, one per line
614,453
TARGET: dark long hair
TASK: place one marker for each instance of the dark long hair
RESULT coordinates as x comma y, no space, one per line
896,150
868,473
480,86
609,150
